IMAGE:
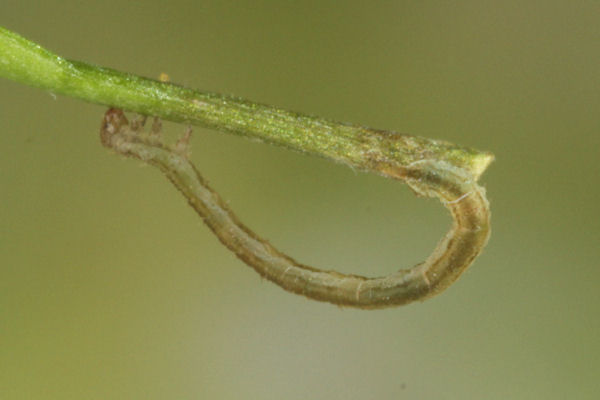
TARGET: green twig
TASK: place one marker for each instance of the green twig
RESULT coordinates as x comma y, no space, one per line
430,167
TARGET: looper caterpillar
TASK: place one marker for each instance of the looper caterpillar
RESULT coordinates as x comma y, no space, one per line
454,185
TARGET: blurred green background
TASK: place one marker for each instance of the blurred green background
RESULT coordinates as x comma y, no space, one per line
112,288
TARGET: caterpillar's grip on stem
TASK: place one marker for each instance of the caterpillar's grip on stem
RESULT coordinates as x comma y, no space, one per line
456,187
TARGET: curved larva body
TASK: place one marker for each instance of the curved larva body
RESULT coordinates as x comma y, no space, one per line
455,187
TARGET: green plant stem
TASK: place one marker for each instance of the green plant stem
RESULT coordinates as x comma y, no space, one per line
359,147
